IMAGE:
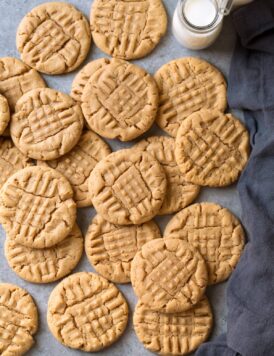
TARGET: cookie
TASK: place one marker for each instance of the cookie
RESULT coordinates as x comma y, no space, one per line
127,29
18,320
16,79
120,100
4,114
77,165
212,148
54,38
49,264
46,124
179,193
111,248
176,333
82,77
87,312
215,232
36,207
187,85
11,160
128,187
169,275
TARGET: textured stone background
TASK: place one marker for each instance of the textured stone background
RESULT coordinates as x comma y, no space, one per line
11,12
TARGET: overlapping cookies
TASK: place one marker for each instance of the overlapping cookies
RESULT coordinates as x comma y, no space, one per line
55,161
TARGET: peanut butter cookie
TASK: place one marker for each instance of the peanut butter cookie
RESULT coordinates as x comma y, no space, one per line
36,207
215,232
169,275
54,38
4,114
127,29
46,124
212,148
128,187
111,248
187,85
120,100
18,320
179,193
87,312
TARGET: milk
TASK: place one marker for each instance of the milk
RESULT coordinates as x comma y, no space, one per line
200,13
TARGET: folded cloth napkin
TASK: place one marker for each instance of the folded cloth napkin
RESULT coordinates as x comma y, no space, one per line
250,293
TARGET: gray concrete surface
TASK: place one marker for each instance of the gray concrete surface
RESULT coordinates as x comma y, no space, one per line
11,12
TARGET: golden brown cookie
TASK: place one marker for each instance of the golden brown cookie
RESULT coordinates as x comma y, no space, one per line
127,29
120,100
128,187
54,38
11,160
18,320
212,148
83,76
169,275
173,334
4,114
46,124
87,312
179,193
77,165
36,207
16,79
215,232
48,264
111,248
187,85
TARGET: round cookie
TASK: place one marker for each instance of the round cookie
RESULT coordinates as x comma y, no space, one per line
11,160
87,312
46,124
187,85
77,165
4,114
16,79
127,29
54,38
212,148
173,334
179,193
215,232
128,187
111,248
48,264
18,320
82,77
120,100
36,207
169,275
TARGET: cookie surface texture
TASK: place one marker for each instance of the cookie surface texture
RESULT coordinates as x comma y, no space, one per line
45,265
173,334
46,124
169,275
11,160
187,85
212,148
36,207
87,312
77,165
120,100
179,193
127,187
111,248
16,79
4,114
54,38
215,232
18,320
127,29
